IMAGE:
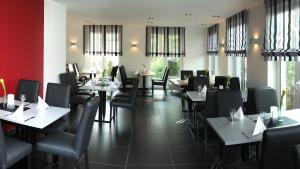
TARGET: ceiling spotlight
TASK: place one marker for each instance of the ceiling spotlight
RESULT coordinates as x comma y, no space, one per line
216,16
188,14
150,18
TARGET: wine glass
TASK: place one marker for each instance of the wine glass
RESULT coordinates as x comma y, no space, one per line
199,88
23,98
232,111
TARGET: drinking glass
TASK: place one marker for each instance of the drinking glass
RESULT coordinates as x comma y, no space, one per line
199,88
262,115
23,98
232,111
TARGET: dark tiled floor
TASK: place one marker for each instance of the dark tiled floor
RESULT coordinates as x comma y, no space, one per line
154,139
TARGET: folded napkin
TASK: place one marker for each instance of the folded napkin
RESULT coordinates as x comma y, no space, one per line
18,114
204,89
259,126
42,105
239,114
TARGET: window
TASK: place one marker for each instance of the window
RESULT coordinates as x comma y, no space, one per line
102,44
166,45
282,44
213,47
236,46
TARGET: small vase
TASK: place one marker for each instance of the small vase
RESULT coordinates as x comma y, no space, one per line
4,101
281,110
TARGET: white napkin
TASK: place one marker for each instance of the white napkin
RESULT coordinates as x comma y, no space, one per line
42,105
18,114
259,126
239,114
204,89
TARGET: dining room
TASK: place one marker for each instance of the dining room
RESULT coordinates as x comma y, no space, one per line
138,84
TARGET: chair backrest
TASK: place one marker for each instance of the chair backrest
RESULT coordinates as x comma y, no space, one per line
70,67
296,155
277,147
123,74
69,79
135,89
58,95
234,83
84,131
76,69
113,73
30,88
220,80
202,73
186,73
227,99
166,75
265,97
165,71
200,81
211,103
3,158
250,104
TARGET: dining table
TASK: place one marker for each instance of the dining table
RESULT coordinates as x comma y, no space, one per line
102,88
145,75
239,131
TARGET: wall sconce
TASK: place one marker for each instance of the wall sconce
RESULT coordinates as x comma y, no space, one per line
72,44
222,45
254,41
133,45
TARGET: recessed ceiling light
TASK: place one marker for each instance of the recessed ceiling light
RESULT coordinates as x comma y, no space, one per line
188,14
216,16
150,18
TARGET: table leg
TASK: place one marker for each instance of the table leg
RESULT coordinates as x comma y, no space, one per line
144,85
102,107
91,76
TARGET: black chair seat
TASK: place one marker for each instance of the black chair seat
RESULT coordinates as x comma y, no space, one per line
85,92
58,125
157,82
79,99
249,165
121,102
16,150
122,94
62,146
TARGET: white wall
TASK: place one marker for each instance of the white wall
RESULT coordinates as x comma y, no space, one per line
54,41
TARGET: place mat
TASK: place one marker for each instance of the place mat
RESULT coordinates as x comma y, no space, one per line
284,122
11,109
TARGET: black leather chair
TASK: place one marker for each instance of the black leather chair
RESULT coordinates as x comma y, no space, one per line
210,110
161,82
58,95
234,83
72,146
265,97
227,99
220,80
277,149
201,73
125,102
251,104
124,79
77,96
13,150
113,73
296,155
73,68
30,88
184,74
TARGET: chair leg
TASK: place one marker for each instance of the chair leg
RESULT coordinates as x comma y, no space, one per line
29,161
77,164
86,159
152,90
110,112
165,90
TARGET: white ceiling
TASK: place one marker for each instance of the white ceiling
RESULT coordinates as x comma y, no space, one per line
164,12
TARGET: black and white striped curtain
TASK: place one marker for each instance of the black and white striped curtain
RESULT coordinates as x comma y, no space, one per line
102,40
165,41
236,35
212,40
282,31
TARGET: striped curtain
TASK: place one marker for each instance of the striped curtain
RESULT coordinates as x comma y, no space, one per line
212,40
102,40
282,31
165,41
236,34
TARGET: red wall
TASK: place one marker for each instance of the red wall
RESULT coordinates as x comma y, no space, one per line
21,41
